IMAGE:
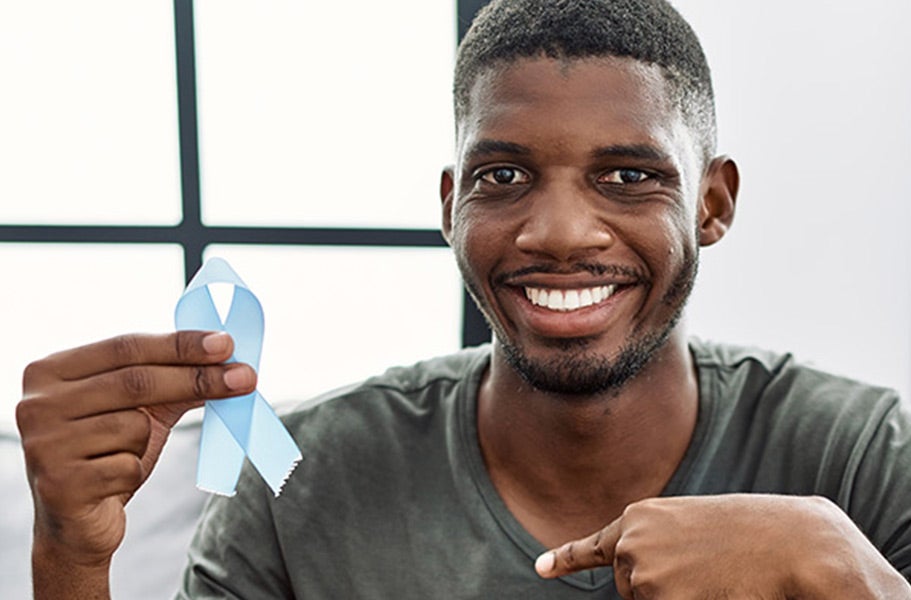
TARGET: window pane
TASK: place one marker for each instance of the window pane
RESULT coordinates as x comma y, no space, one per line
324,113
337,315
65,295
88,116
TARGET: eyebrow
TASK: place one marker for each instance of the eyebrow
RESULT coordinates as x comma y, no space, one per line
642,151
486,147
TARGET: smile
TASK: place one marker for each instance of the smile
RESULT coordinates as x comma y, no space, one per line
569,300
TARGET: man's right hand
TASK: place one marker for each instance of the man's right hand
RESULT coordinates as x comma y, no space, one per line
93,421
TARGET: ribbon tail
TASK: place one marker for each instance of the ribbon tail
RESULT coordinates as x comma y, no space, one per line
220,456
271,449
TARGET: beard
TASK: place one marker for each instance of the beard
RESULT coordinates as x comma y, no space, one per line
574,370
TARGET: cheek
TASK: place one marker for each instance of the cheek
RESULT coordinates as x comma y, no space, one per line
478,241
680,239
680,254
664,236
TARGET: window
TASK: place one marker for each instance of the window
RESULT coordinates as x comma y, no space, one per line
144,136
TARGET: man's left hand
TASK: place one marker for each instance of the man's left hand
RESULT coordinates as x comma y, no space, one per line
733,546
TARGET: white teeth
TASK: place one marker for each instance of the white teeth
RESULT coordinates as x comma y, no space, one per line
586,298
567,300
555,300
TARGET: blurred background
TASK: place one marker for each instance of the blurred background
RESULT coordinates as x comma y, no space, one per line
302,141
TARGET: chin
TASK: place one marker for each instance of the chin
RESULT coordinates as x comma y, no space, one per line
575,369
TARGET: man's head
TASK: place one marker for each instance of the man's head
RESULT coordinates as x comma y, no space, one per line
584,184
651,31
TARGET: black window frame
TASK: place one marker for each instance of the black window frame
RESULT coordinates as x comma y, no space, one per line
192,235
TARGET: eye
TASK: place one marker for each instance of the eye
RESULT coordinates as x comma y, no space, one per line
624,176
504,176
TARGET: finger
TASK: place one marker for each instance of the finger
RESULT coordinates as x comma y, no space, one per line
110,433
132,387
179,347
623,577
112,475
596,550
89,481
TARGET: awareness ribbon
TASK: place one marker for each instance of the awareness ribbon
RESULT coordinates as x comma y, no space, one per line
245,425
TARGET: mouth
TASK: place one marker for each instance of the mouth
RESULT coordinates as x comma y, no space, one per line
568,300
582,302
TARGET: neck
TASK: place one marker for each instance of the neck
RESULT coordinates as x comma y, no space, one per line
584,459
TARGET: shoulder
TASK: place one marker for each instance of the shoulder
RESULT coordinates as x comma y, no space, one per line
401,398
730,357
776,424
777,402
756,374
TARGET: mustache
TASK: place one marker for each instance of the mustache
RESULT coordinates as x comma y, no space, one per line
596,269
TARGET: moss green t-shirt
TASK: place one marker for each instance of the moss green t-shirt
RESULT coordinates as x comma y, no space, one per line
392,499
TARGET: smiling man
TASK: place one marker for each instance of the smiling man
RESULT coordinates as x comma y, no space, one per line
592,450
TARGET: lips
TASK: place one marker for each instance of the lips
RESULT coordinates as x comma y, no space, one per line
567,300
577,310
578,302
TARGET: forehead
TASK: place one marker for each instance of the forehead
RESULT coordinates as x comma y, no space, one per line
596,101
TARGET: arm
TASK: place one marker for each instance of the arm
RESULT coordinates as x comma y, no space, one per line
735,545
93,421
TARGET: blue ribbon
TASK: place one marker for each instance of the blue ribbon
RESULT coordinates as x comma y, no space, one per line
245,425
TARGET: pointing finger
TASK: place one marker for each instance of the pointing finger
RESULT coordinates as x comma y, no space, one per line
596,550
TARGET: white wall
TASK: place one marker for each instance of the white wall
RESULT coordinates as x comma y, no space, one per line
814,102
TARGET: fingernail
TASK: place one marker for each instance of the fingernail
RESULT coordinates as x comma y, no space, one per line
545,562
216,343
239,378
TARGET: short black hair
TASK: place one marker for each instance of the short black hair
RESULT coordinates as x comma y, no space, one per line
651,31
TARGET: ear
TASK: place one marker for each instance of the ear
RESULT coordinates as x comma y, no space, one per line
447,191
718,197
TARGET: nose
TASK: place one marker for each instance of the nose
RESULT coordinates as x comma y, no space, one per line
563,225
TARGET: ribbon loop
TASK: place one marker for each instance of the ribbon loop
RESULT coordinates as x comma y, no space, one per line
245,425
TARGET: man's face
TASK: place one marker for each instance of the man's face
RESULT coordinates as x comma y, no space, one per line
572,211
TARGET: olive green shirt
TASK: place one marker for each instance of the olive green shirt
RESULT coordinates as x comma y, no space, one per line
392,499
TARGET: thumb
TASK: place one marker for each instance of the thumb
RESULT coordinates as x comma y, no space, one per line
596,550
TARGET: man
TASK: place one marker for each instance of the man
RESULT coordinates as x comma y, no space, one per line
653,466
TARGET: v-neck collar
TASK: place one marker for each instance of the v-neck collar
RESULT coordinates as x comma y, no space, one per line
590,580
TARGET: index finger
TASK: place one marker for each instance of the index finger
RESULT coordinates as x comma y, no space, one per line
177,348
596,550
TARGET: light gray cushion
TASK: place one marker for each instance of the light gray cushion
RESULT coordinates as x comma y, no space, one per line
15,520
160,521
